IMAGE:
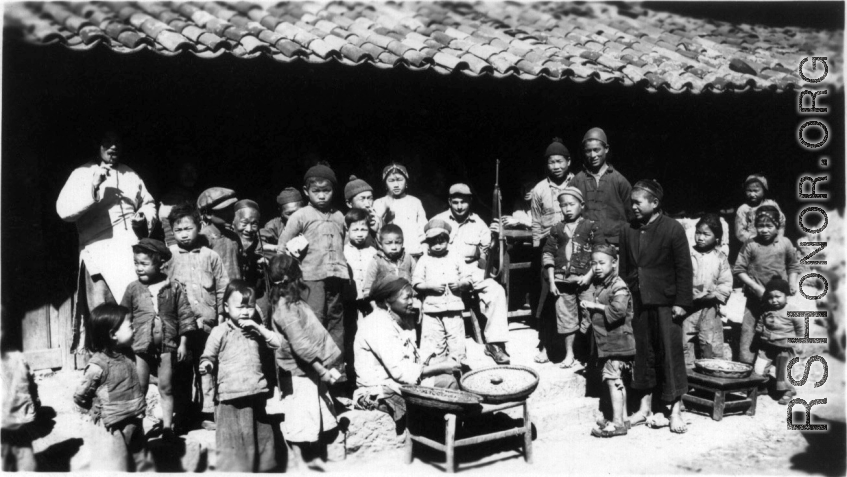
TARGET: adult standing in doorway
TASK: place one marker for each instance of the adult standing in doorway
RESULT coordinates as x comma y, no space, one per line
111,207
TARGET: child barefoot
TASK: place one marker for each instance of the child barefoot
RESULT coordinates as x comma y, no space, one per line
655,262
566,258
762,257
773,330
712,287
756,193
163,319
111,392
305,349
398,207
611,319
237,352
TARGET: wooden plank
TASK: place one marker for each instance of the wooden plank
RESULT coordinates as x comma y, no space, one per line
428,442
44,358
36,329
518,431
64,331
520,266
519,313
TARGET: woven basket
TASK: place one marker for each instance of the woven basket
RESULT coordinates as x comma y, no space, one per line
439,398
501,383
723,369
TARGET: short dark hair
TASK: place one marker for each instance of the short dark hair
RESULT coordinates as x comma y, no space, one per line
105,320
238,285
355,215
186,209
713,221
391,229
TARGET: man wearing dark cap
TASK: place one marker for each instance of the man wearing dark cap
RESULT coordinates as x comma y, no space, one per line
217,213
606,191
289,200
655,263
107,200
470,237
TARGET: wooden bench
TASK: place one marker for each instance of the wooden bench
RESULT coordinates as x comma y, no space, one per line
725,393
450,443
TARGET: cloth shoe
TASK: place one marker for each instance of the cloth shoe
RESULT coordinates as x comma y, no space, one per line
497,352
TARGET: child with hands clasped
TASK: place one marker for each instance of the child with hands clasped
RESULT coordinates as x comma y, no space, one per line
440,277
111,392
306,352
398,207
611,310
762,257
163,321
238,353
712,287
566,257
773,330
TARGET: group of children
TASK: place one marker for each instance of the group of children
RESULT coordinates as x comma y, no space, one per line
230,310
652,300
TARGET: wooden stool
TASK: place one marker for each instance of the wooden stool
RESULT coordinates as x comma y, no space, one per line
450,443
723,388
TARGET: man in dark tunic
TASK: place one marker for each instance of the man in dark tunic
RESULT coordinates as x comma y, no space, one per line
656,265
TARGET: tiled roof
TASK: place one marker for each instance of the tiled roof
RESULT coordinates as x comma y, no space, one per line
606,43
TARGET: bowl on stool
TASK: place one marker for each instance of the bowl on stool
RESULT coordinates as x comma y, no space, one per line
720,368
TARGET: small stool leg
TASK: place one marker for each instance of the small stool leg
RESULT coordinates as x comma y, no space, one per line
449,442
409,442
527,436
720,401
753,396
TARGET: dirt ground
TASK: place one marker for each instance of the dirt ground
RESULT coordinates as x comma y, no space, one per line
739,444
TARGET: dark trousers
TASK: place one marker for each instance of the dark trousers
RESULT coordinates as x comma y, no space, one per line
244,439
747,346
659,357
326,300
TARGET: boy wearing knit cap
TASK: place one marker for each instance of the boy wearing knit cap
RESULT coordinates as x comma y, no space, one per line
360,195
289,200
609,304
773,330
440,277
655,263
320,229
756,195
606,191
216,212
566,258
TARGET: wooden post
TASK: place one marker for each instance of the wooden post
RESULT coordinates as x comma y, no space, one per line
527,437
449,442
720,401
410,444
753,395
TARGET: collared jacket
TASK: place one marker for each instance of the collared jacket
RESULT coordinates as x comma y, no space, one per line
303,339
545,207
110,389
408,214
359,260
655,262
612,327
174,311
202,274
272,231
227,245
381,266
449,268
564,262
324,257
712,273
240,363
104,220
775,326
608,202
470,238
